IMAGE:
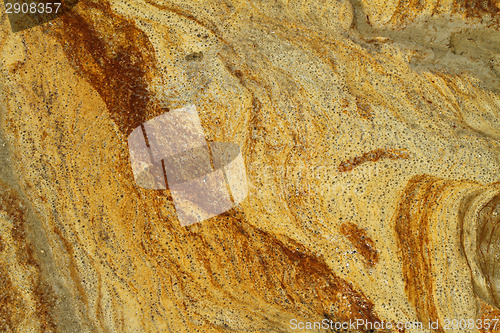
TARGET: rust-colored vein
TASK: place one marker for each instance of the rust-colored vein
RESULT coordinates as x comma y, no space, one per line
115,57
479,8
10,303
361,242
13,308
408,10
281,271
373,156
412,233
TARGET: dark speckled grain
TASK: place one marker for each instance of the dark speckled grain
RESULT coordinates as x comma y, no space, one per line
368,163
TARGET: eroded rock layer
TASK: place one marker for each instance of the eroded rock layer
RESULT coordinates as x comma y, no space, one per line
372,159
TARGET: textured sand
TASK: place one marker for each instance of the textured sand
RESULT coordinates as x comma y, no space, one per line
371,138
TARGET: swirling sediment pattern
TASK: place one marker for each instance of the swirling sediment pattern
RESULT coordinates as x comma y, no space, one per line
372,169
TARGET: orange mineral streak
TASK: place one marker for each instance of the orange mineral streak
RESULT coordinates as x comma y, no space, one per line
412,230
278,271
408,10
361,242
140,266
115,57
15,298
373,156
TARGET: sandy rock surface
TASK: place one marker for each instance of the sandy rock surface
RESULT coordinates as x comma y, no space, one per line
370,132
